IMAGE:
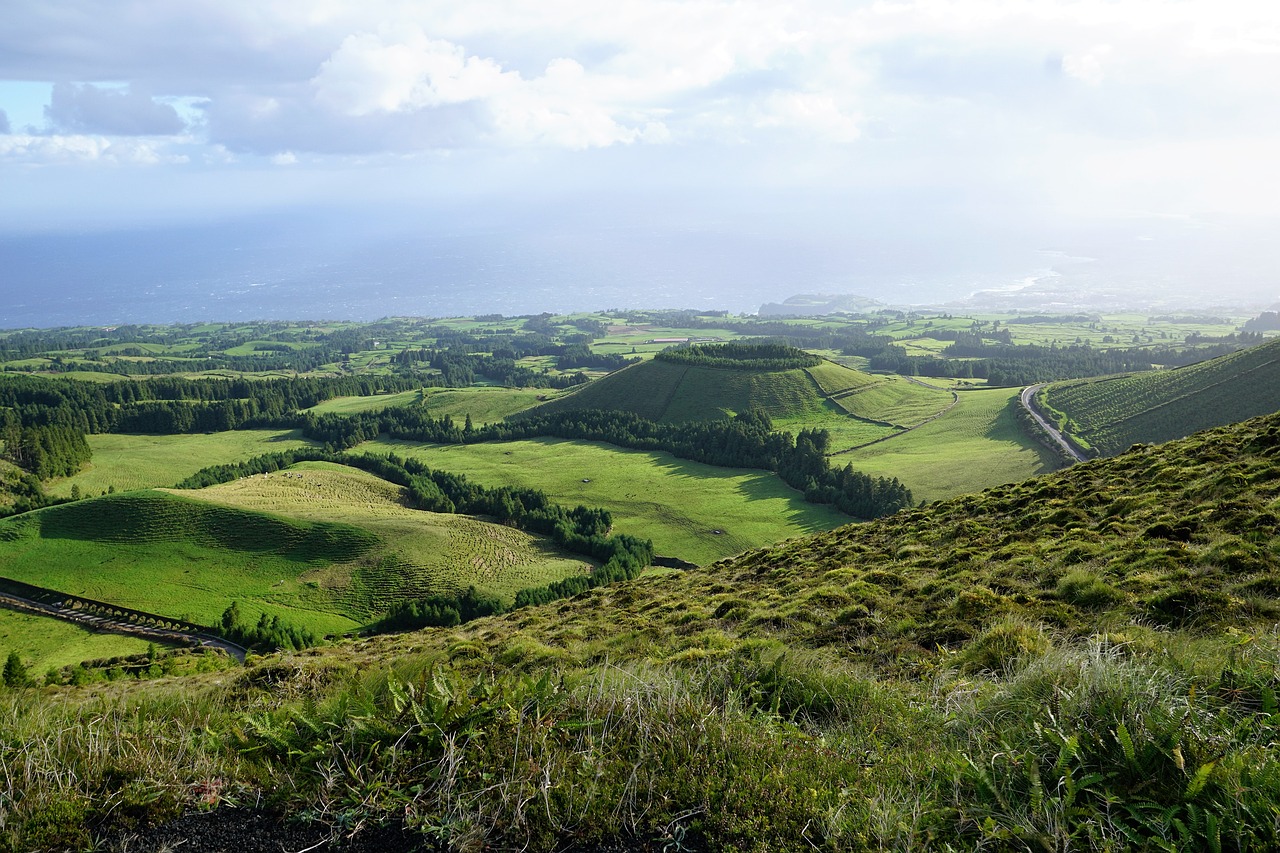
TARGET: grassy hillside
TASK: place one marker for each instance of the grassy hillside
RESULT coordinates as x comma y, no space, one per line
433,552
1082,661
1111,413
336,549
665,391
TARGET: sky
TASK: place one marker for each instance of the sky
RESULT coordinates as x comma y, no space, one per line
1055,125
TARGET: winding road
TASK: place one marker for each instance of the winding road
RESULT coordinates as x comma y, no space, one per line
1028,403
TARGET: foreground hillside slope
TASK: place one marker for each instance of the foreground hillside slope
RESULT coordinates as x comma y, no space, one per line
1111,413
1083,661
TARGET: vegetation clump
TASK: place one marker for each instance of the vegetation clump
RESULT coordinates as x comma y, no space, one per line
740,356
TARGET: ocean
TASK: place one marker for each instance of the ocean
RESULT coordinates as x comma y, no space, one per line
302,267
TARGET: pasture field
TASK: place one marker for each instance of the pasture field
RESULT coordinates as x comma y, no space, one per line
895,400
43,642
435,552
484,404
155,552
1103,331
692,511
128,462
846,432
976,445
834,378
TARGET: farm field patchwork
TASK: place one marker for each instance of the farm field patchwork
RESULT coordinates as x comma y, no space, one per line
692,511
976,445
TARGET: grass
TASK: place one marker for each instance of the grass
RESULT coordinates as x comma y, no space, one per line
174,557
795,399
678,504
128,462
485,405
846,432
323,547
42,642
1006,670
894,400
437,553
976,445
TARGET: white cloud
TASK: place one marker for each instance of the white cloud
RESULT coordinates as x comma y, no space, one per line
1087,67
372,73
84,148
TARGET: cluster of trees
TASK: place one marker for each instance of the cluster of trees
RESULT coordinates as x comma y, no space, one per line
439,611
268,634
44,451
623,566
169,405
970,357
1267,321
460,357
750,356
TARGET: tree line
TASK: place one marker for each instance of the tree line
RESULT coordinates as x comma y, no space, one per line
741,355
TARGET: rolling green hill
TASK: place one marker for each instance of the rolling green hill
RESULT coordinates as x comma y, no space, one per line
324,548
1111,413
672,392
1085,660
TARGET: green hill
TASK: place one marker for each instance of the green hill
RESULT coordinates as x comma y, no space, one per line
1086,661
1111,413
323,548
673,392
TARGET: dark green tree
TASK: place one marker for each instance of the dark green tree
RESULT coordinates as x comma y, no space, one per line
15,672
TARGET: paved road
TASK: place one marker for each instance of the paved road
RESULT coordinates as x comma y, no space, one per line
1028,403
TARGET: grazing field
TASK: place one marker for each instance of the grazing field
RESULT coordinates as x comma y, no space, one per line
128,462
976,445
43,642
174,557
434,552
845,432
1111,413
834,378
696,512
484,405
895,400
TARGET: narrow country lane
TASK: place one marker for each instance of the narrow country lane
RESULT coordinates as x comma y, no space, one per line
1027,399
